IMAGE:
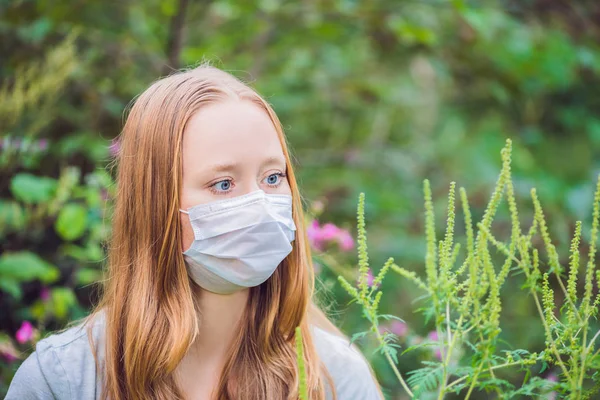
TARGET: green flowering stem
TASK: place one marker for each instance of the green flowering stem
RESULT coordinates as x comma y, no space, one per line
410,275
551,250
536,299
302,390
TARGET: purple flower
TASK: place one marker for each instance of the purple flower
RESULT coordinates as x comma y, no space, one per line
370,278
329,232
319,236
115,147
314,235
437,351
396,327
345,240
8,351
45,294
104,194
399,328
43,144
433,336
25,332
317,207
553,378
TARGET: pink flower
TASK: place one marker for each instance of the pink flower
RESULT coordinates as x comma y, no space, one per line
399,328
319,236
42,144
314,235
433,337
25,332
317,207
8,351
553,378
345,240
45,294
329,232
104,194
370,278
9,356
396,327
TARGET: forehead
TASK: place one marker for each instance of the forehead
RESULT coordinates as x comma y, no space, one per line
230,131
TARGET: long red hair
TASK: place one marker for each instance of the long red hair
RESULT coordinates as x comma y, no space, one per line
148,299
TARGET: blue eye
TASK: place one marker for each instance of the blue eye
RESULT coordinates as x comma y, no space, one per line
222,186
274,179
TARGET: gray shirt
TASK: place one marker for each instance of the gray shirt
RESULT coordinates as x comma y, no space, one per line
62,367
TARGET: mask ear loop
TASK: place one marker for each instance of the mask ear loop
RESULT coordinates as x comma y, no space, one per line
183,211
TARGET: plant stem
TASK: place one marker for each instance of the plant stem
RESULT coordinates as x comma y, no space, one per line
451,342
476,376
553,344
583,359
392,363
592,342
463,378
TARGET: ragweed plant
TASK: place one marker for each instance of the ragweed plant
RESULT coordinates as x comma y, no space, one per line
462,286
302,389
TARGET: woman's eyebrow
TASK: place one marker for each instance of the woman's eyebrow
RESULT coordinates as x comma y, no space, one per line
279,161
223,167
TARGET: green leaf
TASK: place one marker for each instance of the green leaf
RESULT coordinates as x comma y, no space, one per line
71,222
86,276
11,287
358,335
26,266
77,252
62,300
32,189
12,215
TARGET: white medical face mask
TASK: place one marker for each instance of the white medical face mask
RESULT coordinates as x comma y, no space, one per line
239,242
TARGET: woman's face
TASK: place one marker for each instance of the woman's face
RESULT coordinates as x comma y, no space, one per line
230,148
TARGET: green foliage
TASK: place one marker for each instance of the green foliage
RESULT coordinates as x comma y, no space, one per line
466,302
24,266
51,216
32,189
71,221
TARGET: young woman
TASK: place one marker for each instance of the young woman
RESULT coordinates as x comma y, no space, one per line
209,270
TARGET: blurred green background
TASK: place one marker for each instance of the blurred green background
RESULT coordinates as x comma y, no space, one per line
375,96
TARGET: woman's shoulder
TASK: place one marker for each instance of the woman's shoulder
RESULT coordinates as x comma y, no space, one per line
350,371
62,366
